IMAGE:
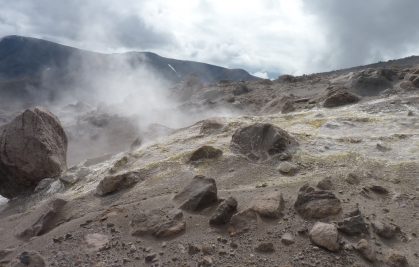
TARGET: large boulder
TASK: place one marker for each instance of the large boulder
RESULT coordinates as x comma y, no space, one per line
32,147
339,97
199,194
262,141
372,82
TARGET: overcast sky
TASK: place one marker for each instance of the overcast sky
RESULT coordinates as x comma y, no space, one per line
263,36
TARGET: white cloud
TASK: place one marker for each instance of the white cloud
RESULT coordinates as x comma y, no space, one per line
263,75
280,36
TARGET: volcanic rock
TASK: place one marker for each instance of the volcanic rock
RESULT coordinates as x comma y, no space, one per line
286,167
199,194
313,204
354,224
385,230
269,205
261,141
395,259
46,221
113,183
159,223
29,259
224,212
32,147
325,235
366,251
205,152
339,97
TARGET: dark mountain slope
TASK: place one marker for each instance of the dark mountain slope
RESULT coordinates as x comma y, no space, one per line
25,64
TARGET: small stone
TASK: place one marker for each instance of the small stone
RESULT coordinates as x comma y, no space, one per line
385,230
353,225
205,152
265,247
96,241
287,239
366,251
193,249
206,262
111,184
395,259
29,259
325,235
325,184
352,179
224,212
269,205
287,167
150,257
379,189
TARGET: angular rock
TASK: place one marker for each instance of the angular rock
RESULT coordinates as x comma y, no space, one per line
29,259
288,168
224,212
262,141
5,252
269,205
394,258
113,183
353,224
206,152
265,247
366,251
313,204
242,222
199,194
46,221
211,126
325,184
158,223
339,97
96,241
32,147
325,235
371,82
240,90
287,239
353,179
384,230
378,189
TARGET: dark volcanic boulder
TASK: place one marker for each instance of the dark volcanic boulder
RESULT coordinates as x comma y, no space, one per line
199,194
339,97
371,82
312,204
261,141
205,152
32,147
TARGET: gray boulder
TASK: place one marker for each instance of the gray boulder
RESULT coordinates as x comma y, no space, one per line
262,141
32,147
312,204
325,235
199,194
339,97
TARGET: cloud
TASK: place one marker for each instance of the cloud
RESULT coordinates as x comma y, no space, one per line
95,25
360,32
278,36
260,74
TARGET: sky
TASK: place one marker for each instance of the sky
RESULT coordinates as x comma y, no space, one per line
265,37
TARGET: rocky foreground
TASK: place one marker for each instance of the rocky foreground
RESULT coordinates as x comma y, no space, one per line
324,177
